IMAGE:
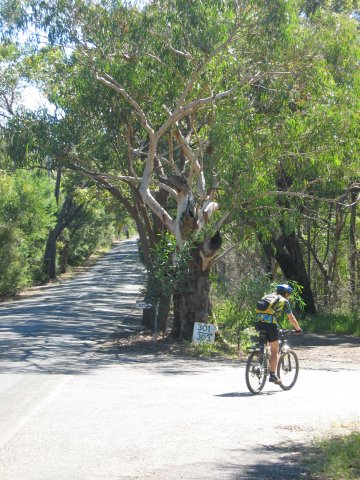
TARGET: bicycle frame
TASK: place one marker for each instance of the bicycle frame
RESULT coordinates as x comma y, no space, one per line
257,366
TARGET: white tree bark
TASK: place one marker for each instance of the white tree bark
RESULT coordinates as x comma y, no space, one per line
193,175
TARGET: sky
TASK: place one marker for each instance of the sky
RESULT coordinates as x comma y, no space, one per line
32,99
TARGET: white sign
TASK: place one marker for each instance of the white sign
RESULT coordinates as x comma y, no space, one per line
204,332
143,305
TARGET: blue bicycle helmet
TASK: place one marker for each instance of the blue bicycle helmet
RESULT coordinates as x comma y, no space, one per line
284,288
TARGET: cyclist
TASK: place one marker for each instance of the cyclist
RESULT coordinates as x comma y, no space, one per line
267,321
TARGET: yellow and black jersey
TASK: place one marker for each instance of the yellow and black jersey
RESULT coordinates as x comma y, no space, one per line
277,305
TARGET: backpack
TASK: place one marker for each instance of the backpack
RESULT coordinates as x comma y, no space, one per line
267,304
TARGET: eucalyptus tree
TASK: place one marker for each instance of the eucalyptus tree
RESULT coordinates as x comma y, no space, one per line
10,80
341,51
300,138
132,52
201,96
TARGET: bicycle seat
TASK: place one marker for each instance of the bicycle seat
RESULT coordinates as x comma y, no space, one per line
262,337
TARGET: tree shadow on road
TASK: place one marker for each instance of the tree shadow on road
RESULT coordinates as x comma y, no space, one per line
280,462
60,330
311,340
334,454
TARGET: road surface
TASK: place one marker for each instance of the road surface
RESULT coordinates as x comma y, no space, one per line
69,411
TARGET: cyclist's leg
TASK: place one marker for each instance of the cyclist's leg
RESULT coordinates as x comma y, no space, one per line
273,338
274,348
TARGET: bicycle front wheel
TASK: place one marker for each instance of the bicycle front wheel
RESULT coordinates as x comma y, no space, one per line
255,373
288,369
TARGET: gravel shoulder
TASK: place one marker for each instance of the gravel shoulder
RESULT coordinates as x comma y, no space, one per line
329,352
315,351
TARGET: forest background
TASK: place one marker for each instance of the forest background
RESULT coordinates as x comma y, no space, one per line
225,133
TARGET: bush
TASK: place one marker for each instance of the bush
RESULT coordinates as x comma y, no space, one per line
94,230
13,268
345,324
240,285
336,457
27,208
234,310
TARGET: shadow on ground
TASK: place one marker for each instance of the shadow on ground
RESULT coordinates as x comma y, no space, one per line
285,462
74,327
58,330
315,340
316,460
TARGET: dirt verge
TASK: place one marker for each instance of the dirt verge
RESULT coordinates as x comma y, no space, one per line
324,352
329,352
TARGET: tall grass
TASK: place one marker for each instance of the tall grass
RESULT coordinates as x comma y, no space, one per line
336,458
345,324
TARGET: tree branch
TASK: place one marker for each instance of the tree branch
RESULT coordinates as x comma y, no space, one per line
230,249
199,68
174,50
108,81
300,195
148,198
181,112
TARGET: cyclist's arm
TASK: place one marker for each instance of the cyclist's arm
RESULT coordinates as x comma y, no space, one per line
293,321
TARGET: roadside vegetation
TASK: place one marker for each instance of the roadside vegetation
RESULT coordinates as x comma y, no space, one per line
334,457
342,324
31,216
224,133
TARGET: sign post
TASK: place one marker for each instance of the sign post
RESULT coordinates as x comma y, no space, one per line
204,332
142,305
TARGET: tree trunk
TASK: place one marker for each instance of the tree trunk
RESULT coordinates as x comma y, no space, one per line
289,255
68,213
192,298
176,305
158,298
327,293
159,295
64,258
291,260
50,255
148,318
352,247
163,311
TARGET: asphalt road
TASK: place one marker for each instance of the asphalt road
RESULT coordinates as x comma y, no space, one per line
69,411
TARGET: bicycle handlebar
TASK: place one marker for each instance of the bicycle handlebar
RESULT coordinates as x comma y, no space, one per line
284,331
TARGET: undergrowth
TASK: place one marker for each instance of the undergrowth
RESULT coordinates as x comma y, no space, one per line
335,458
342,324
219,348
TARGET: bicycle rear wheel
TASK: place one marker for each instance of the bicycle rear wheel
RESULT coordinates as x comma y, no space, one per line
255,373
288,369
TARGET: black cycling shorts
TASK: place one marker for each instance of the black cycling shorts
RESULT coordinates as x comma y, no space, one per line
271,329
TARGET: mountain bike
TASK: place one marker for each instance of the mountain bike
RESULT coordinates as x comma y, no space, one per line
258,367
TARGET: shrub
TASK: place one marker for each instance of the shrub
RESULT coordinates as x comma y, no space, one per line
234,311
14,271
27,209
346,323
336,457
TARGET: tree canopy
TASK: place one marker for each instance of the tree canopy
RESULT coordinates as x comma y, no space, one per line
200,117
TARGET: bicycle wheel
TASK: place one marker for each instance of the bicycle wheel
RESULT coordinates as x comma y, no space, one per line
288,369
255,373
